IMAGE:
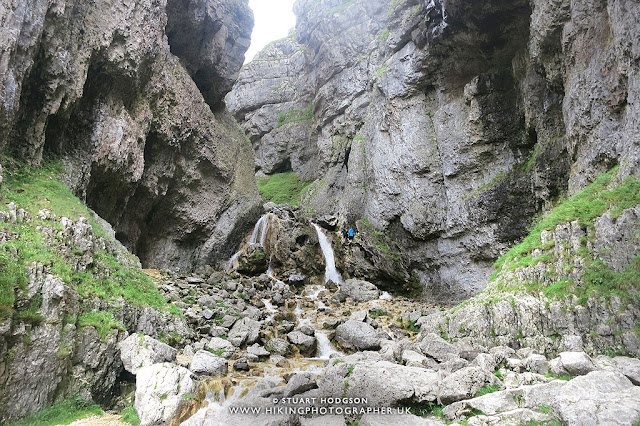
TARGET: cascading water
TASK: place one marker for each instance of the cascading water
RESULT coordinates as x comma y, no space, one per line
258,236
259,230
325,349
330,273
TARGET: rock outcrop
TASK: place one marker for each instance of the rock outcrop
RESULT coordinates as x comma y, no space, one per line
138,121
446,125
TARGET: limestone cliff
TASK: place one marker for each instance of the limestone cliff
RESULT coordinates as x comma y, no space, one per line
440,129
129,95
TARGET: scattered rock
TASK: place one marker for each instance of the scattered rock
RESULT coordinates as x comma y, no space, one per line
464,383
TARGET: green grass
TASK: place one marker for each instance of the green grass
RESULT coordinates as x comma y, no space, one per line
599,197
342,7
61,413
130,415
584,207
109,277
295,115
102,321
423,409
375,313
487,389
282,188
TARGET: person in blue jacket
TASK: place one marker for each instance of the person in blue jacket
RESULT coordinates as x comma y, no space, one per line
350,234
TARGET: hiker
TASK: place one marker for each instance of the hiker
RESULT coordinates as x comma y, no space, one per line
350,234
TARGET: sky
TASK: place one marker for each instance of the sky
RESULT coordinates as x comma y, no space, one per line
273,20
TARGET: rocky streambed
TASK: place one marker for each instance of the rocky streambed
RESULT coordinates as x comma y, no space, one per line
269,352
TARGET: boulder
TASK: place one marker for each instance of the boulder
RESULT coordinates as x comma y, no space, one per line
257,350
383,383
576,363
357,335
464,383
598,398
306,344
137,351
221,346
244,331
437,348
277,346
300,383
160,391
358,290
208,364
536,364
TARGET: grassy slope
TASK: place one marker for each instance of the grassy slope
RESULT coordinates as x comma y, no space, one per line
35,189
282,188
599,197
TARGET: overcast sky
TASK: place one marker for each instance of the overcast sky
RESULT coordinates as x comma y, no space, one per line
273,20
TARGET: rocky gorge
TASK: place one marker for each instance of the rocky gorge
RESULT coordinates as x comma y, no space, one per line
174,244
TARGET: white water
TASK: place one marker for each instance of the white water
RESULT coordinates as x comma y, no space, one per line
270,308
386,296
259,230
258,236
325,350
330,273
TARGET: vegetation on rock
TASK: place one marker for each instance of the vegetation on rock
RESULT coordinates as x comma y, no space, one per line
112,273
282,188
61,413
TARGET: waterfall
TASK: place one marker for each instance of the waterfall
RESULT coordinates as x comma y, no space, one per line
325,350
331,273
258,236
260,230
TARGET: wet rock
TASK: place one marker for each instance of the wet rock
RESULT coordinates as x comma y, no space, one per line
160,389
258,350
576,363
306,344
297,279
138,351
328,222
208,364
357,335
277,346
241,364
358,290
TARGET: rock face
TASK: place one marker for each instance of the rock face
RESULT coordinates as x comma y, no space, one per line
97,85
444,130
